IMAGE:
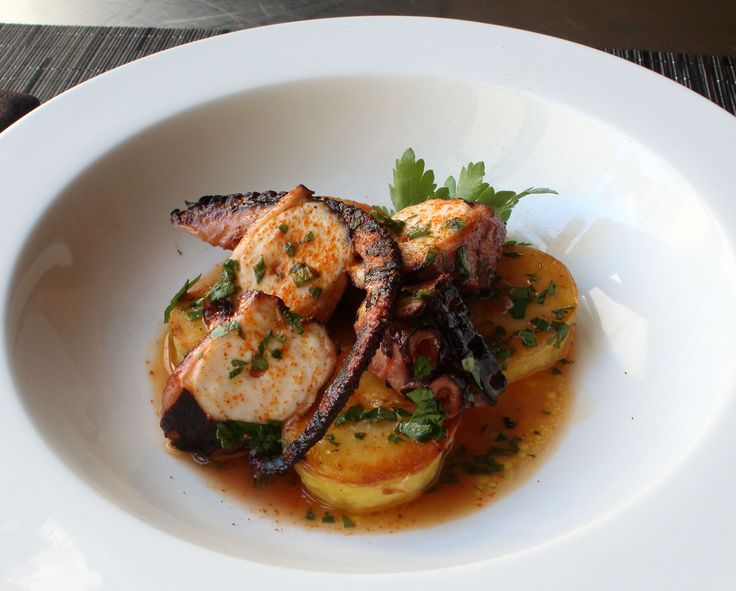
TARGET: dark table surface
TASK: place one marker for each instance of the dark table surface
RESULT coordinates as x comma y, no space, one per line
687,26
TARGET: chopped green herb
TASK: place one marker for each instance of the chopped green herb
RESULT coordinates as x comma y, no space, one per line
259,270
347,523
265,437
359,435
259,363
281,338
393,438
462,262
520,297
302,273
222,329
453,224
419,232
532,277
309,237
561,313
328,517
429,258
565,361
550,290
428,419
294,320
225,285
277,353
290,249
178,295
512,254
471,366
315,292
527,338
561,331
354,413
330,438
501,437
238,367
379,413
310,515
510,243
422,367
384,219
540,324
555,371
284,228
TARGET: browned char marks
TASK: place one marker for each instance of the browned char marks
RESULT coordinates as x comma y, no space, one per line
382,260
222,220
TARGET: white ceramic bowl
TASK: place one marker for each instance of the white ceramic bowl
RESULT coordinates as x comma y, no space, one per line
644,220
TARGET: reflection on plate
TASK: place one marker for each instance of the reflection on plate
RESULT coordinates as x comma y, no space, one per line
642,221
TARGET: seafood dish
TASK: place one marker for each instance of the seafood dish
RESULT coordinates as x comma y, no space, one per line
346,343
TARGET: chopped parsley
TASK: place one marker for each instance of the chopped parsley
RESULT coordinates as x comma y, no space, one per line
428,419
330,438
315,292
527,338
359,435
259,270
265,437
294,320
177,296
259,363
357,413
309,237
419,231
453,224
225,285
238,367
385,220
310,515
394,438
347,523
290,249
281,338
556,371
561,313
561,331
511,254
422,367
222,329
277,353
520,297
429,258
462,262
328,517
302,273
223,288
550,290
284,228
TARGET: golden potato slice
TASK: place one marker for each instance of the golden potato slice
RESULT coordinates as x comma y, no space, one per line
361,466
529,322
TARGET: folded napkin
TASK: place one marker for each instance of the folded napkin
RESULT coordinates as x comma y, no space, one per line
13,105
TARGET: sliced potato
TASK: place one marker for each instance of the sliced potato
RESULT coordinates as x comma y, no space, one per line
530,321
359,466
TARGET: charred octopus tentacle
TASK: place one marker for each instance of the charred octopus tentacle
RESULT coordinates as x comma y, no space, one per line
437,325
382,266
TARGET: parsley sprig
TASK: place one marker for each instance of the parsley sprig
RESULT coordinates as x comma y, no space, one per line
412,184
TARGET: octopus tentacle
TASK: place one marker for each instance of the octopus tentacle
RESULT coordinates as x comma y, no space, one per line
382,265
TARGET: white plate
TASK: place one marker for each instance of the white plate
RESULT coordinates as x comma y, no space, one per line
639,492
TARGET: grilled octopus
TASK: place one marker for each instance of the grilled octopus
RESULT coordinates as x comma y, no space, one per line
380,263
457,257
